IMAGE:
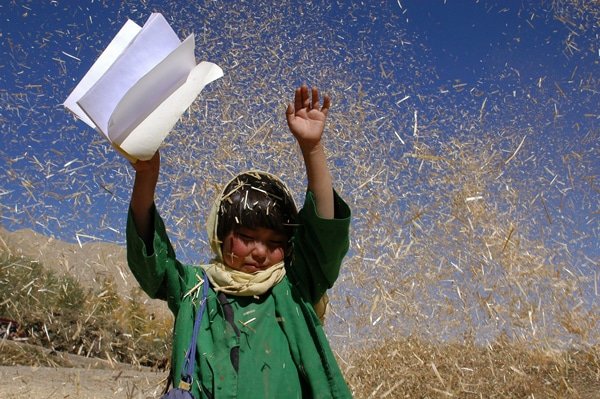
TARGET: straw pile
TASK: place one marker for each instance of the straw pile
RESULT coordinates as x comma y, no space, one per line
412,368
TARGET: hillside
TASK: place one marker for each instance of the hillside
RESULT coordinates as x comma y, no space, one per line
36,371
90,263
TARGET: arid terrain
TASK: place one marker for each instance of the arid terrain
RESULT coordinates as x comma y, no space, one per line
78,377
398,367
67,375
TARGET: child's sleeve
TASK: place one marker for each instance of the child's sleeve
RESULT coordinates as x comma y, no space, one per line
319,248
160,274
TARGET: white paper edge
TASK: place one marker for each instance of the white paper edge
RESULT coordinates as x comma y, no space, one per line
151,45
139,101
114,49
147,137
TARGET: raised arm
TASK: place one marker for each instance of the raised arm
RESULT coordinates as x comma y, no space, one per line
306,120
142,198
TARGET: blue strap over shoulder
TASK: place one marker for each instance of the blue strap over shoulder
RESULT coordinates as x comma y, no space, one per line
187,372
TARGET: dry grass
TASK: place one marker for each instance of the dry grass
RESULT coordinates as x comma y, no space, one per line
56,312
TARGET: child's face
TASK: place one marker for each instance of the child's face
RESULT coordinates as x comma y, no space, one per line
252,250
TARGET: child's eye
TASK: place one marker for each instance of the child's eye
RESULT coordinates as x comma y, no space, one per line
245,237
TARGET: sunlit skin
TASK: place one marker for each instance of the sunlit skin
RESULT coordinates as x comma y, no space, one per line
253,250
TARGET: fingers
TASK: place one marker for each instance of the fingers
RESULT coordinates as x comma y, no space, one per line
315,98
151,164
299,97
326,104
290,111
309,100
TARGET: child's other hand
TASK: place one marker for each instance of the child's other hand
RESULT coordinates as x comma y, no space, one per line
150,166
304,117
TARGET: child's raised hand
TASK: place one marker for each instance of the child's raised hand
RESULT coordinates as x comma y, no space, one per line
150,166
305,118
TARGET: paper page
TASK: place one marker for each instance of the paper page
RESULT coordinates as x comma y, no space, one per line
120,42
155,41
147,137
151,90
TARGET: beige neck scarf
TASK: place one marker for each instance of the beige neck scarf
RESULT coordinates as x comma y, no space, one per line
234,282
231,281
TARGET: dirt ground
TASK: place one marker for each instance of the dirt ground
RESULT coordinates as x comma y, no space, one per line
84,377
49,382
72,376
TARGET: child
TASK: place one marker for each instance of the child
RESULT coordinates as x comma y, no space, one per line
260,336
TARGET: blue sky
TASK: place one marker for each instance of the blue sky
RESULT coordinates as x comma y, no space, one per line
436,103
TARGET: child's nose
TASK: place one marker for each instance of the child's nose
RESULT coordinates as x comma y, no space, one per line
260,250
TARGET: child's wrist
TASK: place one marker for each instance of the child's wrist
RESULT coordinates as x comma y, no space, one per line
311,147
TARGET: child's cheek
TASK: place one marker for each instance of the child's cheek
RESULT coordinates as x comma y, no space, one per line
238,247
278,255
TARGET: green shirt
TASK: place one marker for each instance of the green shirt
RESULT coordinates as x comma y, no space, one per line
272,346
